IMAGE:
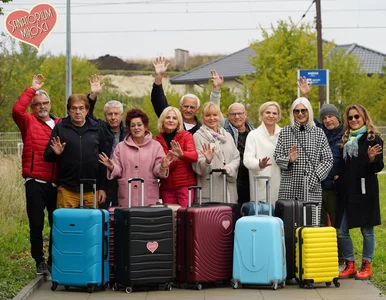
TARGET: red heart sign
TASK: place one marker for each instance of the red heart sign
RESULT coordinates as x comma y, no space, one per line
226,224
152,246
32,27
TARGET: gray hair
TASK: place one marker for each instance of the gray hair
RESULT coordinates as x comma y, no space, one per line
113,103
43,93
307,105
190,96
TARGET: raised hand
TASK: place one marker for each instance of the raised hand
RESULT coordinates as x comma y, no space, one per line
160,66
167,160
95,86
293,153
208,153
105,160
374,151
176,149
263,163
57,146
217,80
37,82
304,87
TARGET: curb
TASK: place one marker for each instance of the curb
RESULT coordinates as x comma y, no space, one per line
29,289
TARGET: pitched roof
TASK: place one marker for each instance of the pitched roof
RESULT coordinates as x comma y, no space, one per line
372,61
236,64
231,66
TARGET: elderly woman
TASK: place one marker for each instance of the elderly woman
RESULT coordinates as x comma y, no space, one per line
259,147
358,182
138,155
178,142
303,154
216,151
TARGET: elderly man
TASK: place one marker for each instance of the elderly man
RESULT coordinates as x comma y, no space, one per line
114,132
189,103
76,143
238,126
39,175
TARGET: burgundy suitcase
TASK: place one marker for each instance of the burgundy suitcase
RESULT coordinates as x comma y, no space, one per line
205,244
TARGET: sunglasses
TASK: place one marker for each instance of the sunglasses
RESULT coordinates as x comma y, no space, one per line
356,117
298,111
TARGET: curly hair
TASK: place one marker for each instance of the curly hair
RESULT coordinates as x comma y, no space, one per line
137,113
372,131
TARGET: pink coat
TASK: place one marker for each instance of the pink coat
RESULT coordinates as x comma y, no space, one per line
131,160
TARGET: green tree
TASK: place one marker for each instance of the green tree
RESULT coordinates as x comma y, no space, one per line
3,1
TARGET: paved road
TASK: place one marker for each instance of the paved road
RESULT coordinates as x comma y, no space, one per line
349,289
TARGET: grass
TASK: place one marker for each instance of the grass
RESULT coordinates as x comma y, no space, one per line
17,268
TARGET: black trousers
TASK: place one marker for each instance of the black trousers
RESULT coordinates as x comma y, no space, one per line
40,196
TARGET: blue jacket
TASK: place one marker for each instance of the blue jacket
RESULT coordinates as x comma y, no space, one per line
334,138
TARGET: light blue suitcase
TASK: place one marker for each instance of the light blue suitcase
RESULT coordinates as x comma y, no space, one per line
259,249
80,247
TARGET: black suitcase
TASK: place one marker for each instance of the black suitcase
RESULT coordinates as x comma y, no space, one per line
291,212
236,208
143,246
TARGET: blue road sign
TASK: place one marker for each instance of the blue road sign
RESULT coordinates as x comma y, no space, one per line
316,77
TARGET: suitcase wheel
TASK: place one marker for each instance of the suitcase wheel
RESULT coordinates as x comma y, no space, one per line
54,286
336,283
67,287
104,287
282,285
168,287
274,286
115,287
129,289
328,284
198,286
235,284
90,289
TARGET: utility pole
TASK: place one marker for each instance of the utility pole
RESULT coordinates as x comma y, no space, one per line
68,55
320,47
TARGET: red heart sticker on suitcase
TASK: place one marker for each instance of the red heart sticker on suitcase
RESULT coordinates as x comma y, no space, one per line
226,224
33,26
152,246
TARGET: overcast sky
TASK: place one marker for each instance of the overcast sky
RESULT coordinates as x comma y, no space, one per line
133,29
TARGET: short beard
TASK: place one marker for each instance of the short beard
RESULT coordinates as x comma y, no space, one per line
43,114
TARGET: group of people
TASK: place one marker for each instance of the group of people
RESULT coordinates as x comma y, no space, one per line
329,161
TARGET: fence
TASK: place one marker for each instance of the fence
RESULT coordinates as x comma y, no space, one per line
11,142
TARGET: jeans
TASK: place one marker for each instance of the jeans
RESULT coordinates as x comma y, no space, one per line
345,242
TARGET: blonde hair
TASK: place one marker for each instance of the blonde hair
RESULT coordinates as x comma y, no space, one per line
372,131
307,105
162,118
264,107
210,107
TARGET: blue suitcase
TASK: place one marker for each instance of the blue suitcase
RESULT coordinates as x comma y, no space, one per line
80,246
259,249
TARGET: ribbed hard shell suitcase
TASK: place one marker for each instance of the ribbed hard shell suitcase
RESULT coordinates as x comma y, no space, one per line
205,244
111,244
259,249
316,255
143,245
80,246
291,212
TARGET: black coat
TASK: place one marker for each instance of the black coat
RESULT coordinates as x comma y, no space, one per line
362,206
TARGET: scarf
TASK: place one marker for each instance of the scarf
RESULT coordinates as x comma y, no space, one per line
168,137
351,147
218,136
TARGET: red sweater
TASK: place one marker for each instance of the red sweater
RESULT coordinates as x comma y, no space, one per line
36,135
181,173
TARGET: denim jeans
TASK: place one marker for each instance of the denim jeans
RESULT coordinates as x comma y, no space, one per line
345,242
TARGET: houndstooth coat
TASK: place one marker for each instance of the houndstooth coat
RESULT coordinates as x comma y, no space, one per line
314,162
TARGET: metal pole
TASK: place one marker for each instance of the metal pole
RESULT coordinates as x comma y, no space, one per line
68,55
320,47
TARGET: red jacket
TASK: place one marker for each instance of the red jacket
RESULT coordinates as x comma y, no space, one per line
36,135
181,173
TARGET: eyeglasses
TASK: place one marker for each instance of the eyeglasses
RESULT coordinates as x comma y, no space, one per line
298,111
75,108
240,114
356,117
41,104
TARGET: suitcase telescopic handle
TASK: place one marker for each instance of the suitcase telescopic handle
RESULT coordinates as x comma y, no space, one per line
310,203
267,192
130,180
224,176
81,191
194,187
